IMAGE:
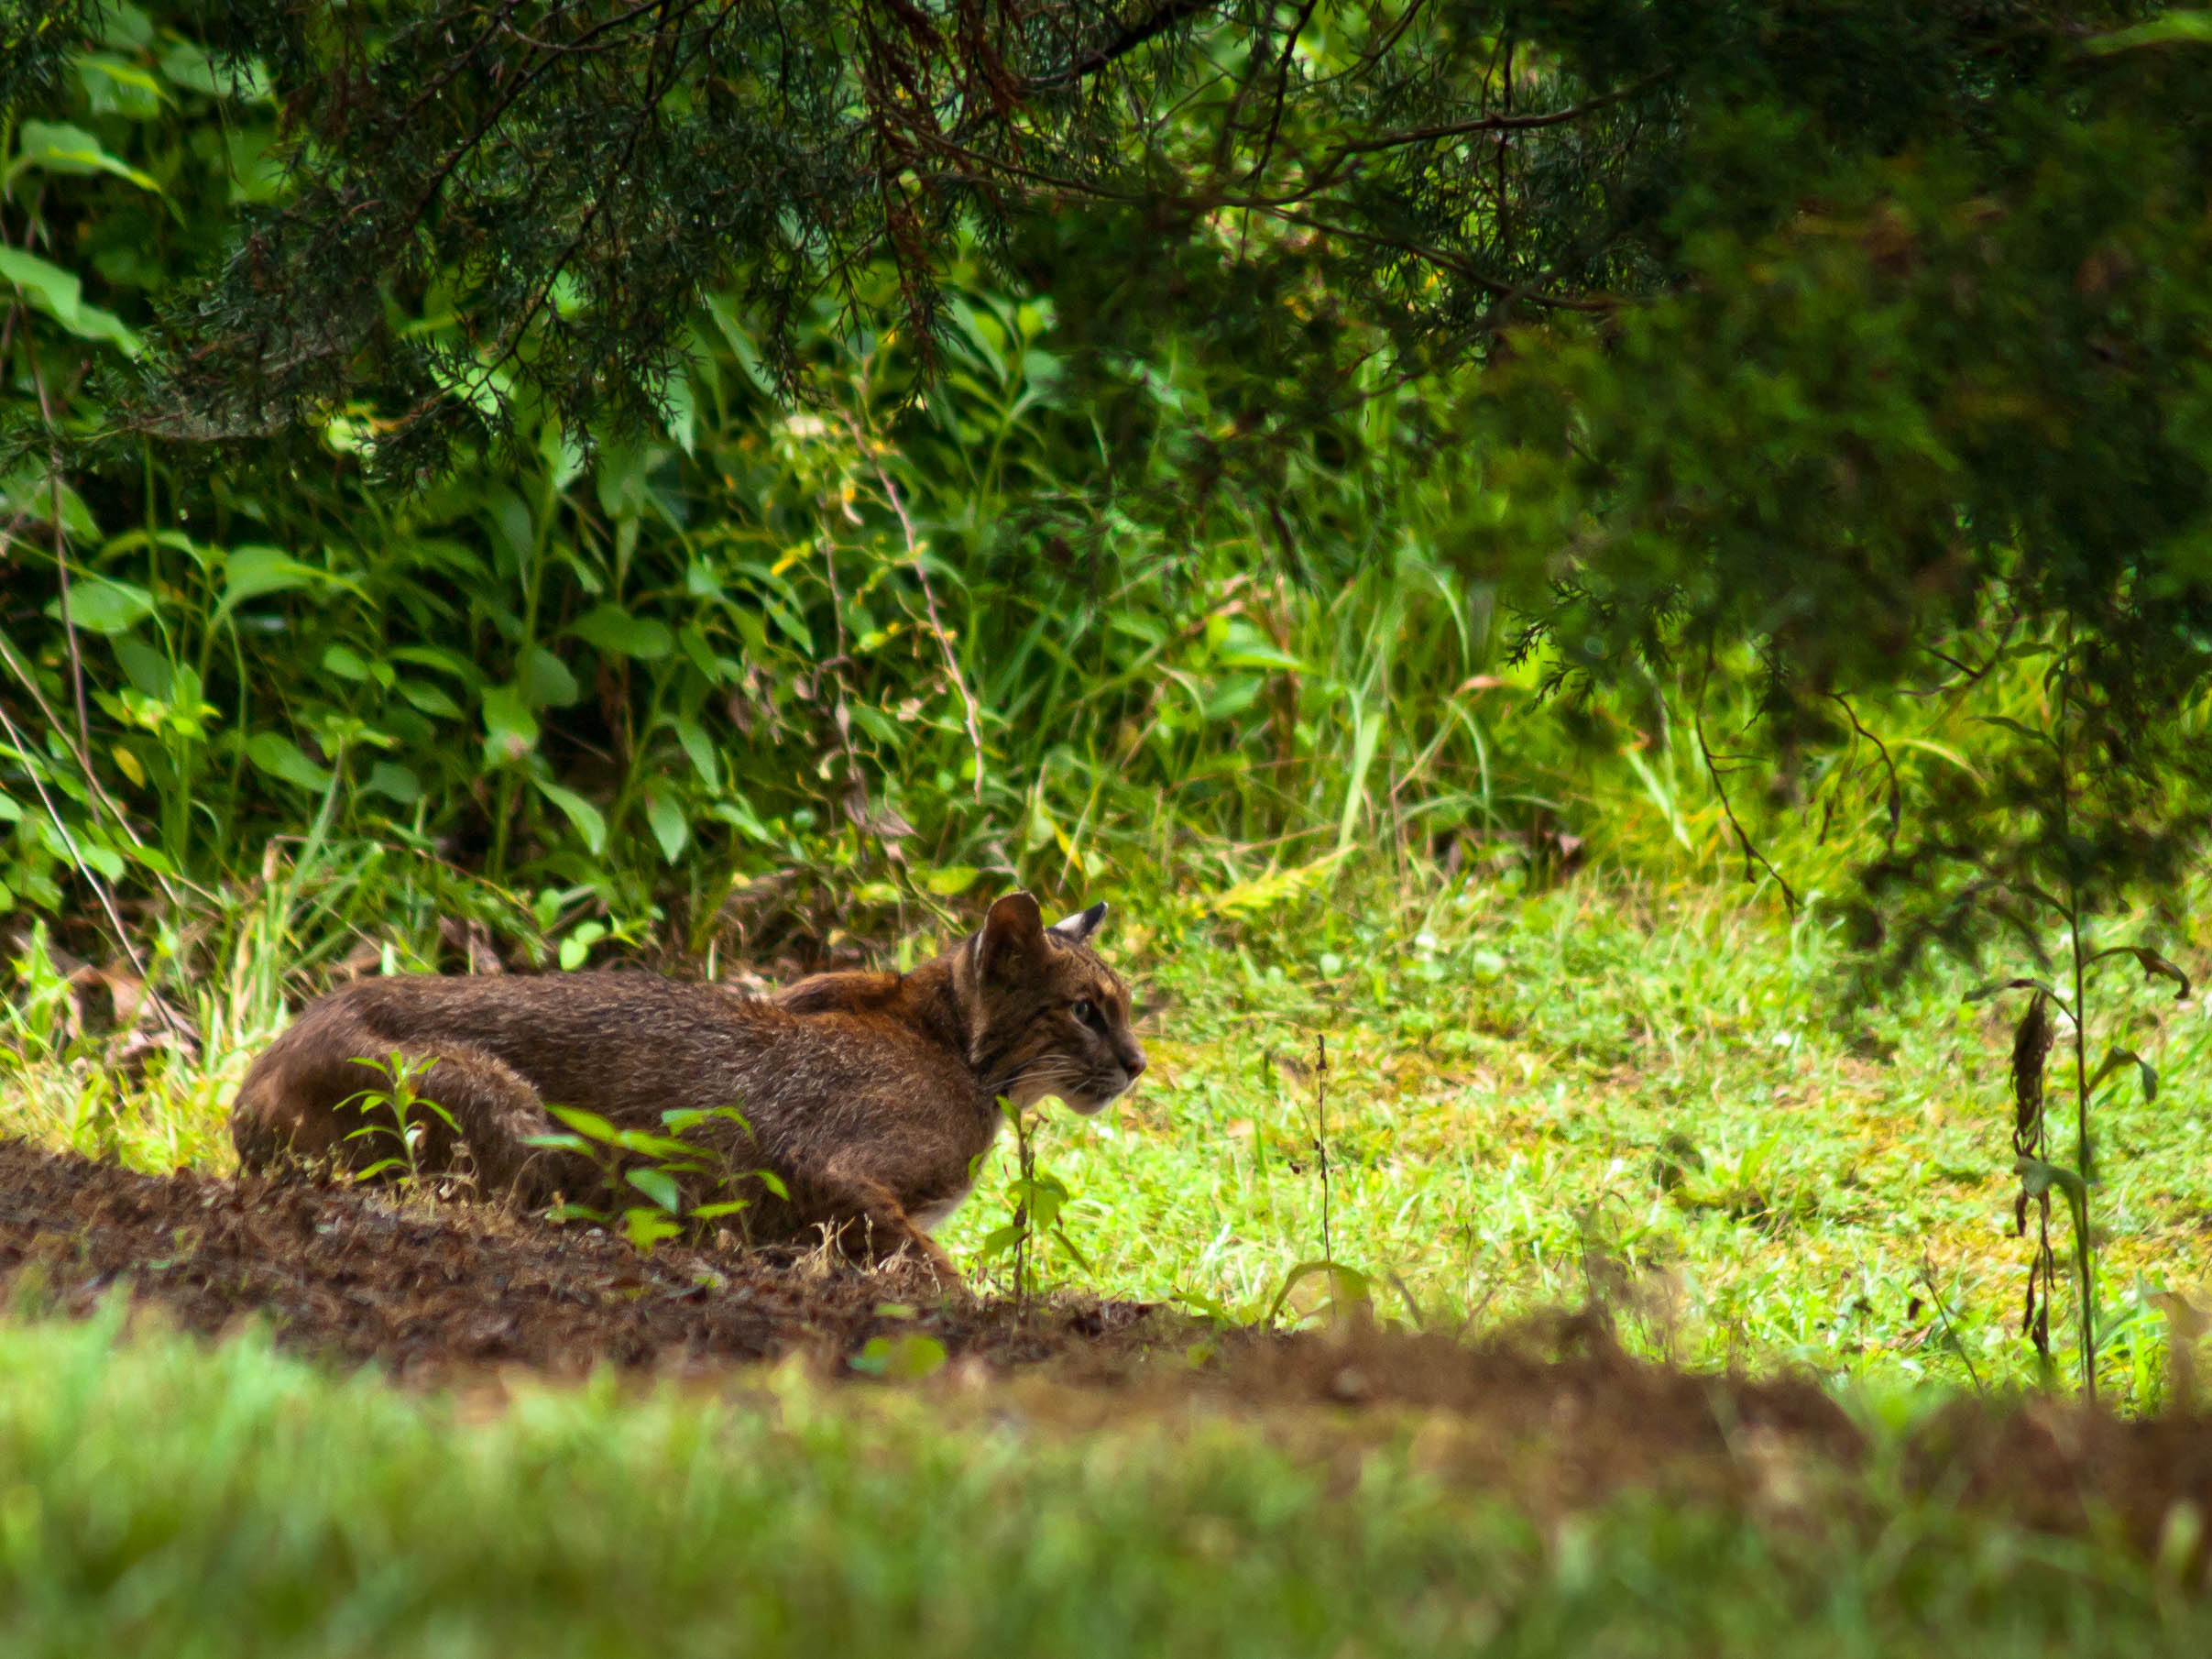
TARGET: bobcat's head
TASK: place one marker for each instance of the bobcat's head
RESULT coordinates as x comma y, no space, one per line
1045,1015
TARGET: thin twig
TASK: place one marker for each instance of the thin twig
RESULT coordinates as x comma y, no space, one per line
1321,1146
929,601
91,876
53,480
21,670
1753,857
1282,90
1132,35
1897,798
1927,1277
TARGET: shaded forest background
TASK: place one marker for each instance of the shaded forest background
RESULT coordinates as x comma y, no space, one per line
1200,473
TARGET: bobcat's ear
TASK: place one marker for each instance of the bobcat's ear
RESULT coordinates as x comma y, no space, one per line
1013,929
1078,928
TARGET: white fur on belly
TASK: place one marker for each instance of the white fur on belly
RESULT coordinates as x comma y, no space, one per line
930,1217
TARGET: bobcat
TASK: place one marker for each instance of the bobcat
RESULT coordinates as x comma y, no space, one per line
872,1097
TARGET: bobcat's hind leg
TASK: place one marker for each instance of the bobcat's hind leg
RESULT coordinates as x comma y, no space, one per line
497,1112
313,1109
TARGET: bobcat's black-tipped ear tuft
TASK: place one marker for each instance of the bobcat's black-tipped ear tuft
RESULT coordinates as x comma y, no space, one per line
1078,928
1013,929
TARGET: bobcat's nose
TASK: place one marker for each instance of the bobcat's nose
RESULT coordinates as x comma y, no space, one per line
1135,1063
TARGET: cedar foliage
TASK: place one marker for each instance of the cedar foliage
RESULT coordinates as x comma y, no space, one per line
1868,339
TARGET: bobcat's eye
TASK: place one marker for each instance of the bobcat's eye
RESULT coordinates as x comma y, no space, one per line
1084,1011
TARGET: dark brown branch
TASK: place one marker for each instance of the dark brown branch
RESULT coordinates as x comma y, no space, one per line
1754,860
1499,123
1896,796
1132,36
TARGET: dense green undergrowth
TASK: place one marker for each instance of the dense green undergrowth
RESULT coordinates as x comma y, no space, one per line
160,1496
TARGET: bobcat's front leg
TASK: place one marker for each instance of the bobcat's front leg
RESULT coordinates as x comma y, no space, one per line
855,1199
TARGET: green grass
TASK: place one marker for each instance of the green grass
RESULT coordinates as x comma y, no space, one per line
160,1496
1511,1072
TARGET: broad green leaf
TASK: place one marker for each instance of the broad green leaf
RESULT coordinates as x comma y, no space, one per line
580,812
115,86
249,573
508,724
394,781
28,493
347,665
198,69
650,1144
789,622
658,1186
54,147
100,605
59,294
741,346
586,1123
429,700
279,756
444,661
693,736
547,682
97,853
559,1143
702,655
950,880
575,950
645,1228
877,725
152,858
613,631
739,816
668,825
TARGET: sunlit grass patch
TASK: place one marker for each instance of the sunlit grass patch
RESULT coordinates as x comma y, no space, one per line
1665,1095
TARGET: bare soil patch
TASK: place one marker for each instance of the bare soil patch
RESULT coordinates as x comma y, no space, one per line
1556,1412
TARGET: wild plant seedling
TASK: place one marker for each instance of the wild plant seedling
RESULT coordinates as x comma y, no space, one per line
1039,1198
400,1101
2033,1159
610,1148
1347,1284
